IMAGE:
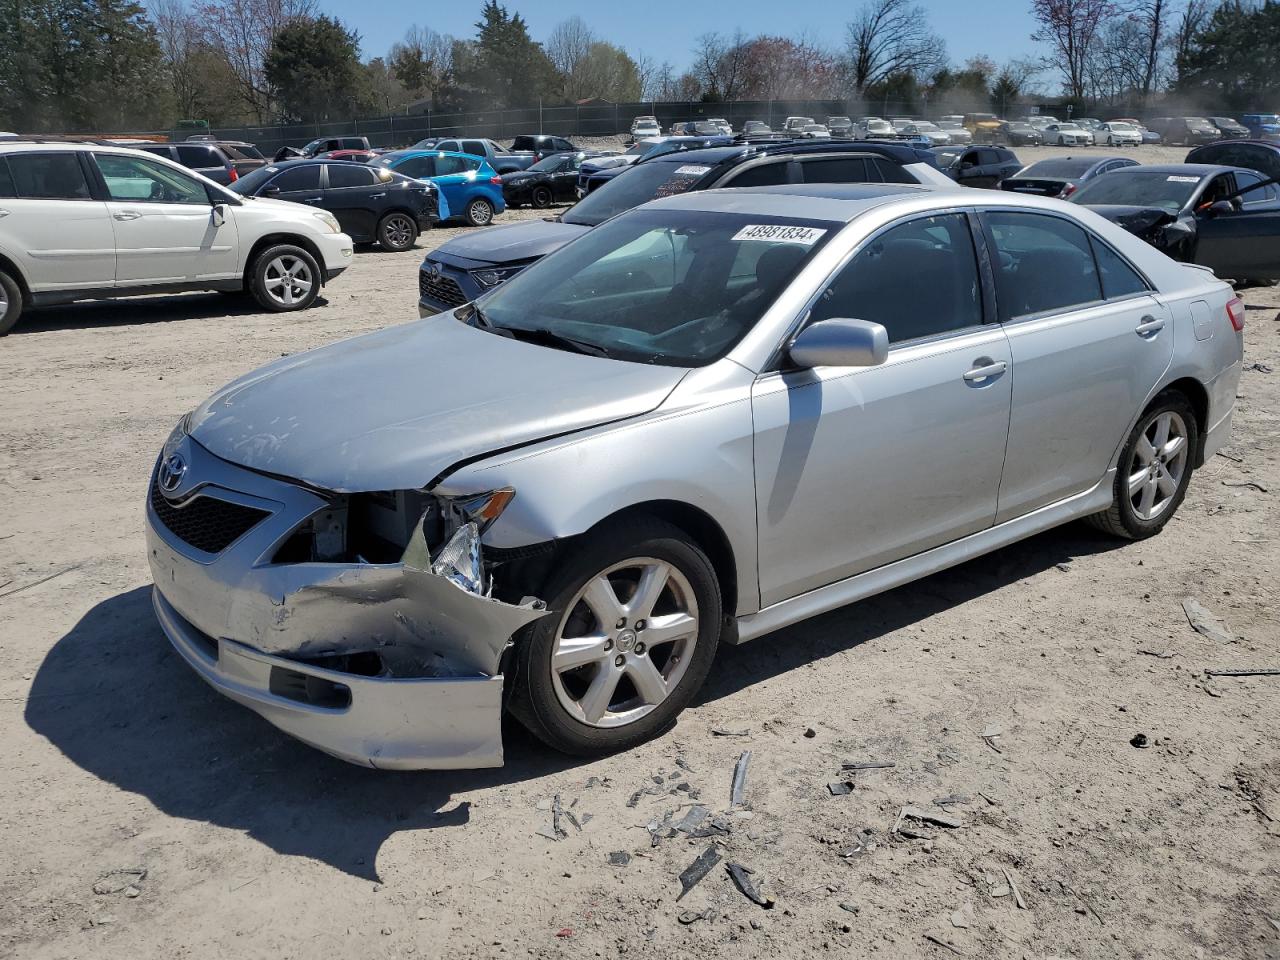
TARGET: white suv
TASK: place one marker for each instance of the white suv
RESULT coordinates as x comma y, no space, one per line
80,221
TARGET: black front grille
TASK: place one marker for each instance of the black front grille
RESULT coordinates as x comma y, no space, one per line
206,523
440,288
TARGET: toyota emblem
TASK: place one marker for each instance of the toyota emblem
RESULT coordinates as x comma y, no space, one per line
172,469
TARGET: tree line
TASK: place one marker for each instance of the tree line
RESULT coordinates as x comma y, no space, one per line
102,65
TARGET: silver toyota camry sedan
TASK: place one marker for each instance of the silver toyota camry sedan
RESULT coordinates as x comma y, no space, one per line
711,417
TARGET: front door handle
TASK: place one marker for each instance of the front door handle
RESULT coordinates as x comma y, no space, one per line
1148,326
986,370
310,200
376,196
4,212
127,215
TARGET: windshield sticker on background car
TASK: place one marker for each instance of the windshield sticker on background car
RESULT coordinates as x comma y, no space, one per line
692,170
1183,179
677,183
777,233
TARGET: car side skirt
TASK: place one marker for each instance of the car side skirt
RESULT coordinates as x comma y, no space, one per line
51,297
835,595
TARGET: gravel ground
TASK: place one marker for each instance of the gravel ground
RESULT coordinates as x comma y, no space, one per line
1013,685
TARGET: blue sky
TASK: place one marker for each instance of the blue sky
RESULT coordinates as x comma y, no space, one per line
664,29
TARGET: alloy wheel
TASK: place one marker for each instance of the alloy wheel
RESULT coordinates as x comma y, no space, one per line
1158,464
4,302
624,642
481,213
288,280
398,231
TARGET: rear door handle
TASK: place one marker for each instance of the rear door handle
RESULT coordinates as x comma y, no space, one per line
376,196
127,215
1149,325
988,371
4,212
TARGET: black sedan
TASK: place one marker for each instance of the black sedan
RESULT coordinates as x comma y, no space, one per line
1226,218
1062,176
977,166
1019,133
551,180
372,204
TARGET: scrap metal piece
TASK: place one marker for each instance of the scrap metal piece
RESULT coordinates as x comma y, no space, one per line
720,732
700,867
619,858
926,816
739,779
1013,887
743,882
692,820
1205,623
868,765
1243,673
840,788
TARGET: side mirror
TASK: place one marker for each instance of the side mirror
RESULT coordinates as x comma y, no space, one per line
1219,207
270,191
219,214
840,343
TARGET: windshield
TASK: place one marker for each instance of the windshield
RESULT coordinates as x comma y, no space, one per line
947,157
1067,126
1141,188
552,163
1199,123
1122,127
878,125
922,125
313,146
639,184
675,287
1062,167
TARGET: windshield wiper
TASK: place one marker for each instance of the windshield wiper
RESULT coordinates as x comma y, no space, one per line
550,338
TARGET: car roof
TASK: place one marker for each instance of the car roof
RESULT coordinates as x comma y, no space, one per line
1186,169
901,152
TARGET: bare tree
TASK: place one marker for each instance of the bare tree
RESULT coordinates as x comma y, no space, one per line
569,47
422,61
1070,28
1189,23
1150,16
888,38
719,64
242,31
178,33
647,72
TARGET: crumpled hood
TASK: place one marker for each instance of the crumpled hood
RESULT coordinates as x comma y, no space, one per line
393,410
1135,219
517,241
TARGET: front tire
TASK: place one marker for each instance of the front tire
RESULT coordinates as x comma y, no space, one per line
636,623
284,278
542,198
1154,471
397,232
10,302
479,213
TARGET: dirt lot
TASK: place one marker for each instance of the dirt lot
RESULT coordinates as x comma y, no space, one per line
1060,650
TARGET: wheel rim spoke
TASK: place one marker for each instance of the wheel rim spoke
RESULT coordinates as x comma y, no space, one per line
1148,498
648,681
574,652
669,628
652,582
1162,431
1137,481
1174,447
595,702
1144,451
1165,483
604,602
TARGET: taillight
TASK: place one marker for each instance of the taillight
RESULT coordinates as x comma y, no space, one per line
496,181
235,175
1068,190
1235,313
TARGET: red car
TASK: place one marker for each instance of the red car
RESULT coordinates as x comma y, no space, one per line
355,156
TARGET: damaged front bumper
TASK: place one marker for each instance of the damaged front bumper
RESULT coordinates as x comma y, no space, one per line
388,664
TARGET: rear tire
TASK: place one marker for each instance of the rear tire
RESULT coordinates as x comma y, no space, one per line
479,213
1152,479
397,232
585,697
284,278
10,302
541,198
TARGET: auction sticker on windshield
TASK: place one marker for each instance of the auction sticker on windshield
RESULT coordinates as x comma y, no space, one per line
692,170
1184,179
780,234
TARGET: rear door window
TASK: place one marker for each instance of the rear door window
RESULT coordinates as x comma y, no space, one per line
417,167
1118,278
199,157
136,180
891,172
6,179
837,170
1260,198
451,145
447,166
1043,263
474,147
349,175
764,175
562,144
49,176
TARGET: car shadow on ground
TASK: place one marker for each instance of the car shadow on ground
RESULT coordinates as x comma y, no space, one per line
115,698
140,311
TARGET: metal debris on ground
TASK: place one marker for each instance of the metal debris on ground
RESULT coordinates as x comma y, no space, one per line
850,907
1160,654
739,778
700,867
1205,623
1246,483
119,881
693,819
742,880
951,798
556,813
1013,887
810,733
860,847
840,788
992,733
994,801
942,943
721,732
1260,367
1140,741
868,765
926,816
689,916
1243,673
619,858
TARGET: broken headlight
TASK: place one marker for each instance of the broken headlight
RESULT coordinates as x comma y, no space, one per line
478,508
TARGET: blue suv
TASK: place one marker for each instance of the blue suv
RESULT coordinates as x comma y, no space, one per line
469,187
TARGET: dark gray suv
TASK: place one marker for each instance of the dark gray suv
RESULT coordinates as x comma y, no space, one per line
222,161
